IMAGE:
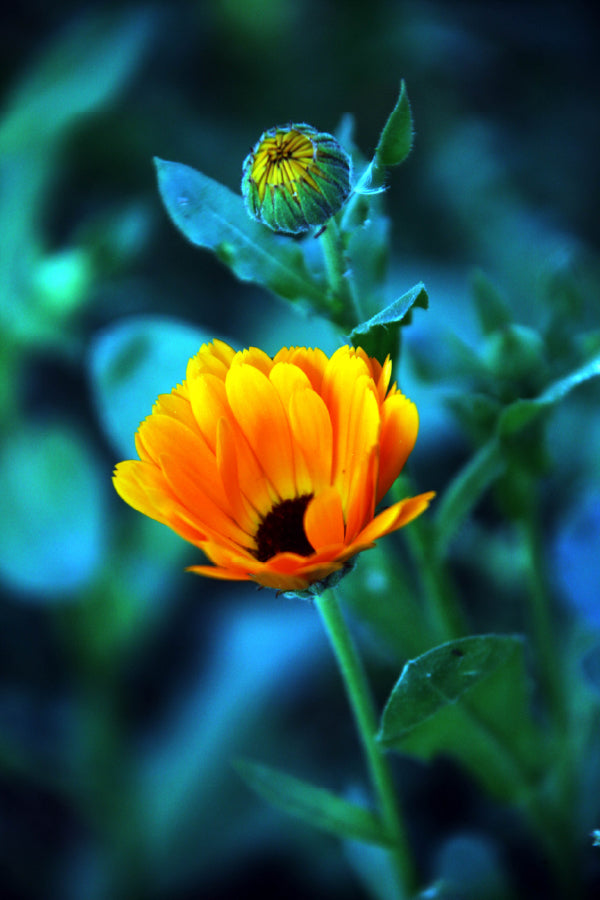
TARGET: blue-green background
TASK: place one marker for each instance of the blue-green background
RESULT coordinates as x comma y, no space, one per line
126,685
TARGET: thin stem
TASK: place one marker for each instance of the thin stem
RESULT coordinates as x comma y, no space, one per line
361,701
338,275
541,621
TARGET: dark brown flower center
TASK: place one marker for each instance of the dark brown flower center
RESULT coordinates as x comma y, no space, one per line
282,530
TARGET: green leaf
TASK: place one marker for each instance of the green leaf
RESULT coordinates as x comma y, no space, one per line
469,699
439,677
396,140
212,216
489,463
492,311
378,335
315,806
522,412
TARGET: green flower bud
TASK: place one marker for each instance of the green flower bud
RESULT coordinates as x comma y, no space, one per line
295,178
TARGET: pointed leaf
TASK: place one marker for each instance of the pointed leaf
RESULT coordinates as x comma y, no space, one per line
315,806
378,335
212,216
473,707
396,140
492,311
439,677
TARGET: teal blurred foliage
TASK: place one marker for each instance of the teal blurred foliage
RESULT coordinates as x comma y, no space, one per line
127,686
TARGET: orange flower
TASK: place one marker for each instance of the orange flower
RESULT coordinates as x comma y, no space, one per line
273,467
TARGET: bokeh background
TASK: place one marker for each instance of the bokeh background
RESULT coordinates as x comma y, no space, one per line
126,685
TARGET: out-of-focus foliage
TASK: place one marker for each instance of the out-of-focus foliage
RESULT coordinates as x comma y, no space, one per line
126,686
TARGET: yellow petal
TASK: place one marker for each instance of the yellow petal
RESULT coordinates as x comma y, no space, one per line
258,410
312,431
312,361
144,487
227,465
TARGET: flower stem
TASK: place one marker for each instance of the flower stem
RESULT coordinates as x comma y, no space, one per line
361,701
339,277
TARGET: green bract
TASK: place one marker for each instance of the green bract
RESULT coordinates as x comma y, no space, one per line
295,178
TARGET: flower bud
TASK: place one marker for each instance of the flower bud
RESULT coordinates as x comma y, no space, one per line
295,178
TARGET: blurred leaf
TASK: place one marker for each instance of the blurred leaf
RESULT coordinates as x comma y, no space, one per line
54,522
469,865
82,69
465,490
477,414
520,413
474,708
396,139
130,364
482,470
212,216
439,677
315,806
492,311
379,333
195,814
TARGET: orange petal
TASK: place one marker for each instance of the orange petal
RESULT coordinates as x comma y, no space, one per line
361,492
219,573
399,428
201,502
289,380
394,517
324,519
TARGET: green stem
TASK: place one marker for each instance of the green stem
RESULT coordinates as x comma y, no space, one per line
551,676
361,701
339,276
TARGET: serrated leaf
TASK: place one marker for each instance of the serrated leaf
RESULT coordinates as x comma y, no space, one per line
378,334
521,412
474,708
396,140
315,806
213,217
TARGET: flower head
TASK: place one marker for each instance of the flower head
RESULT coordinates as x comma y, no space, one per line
273,466
295,178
